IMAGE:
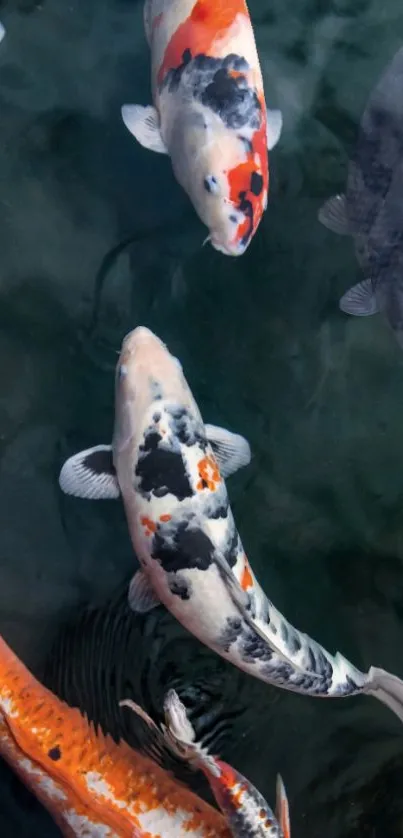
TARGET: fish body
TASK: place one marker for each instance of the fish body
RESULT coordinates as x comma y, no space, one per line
209,113
91,786
371,210
244,807
169,468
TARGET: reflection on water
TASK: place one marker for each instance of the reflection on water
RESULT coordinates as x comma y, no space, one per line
266,351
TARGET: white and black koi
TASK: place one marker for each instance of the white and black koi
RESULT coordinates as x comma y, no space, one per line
169,468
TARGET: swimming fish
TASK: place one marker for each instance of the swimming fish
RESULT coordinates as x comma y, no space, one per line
91,786
169,469
244,808
371,210
209,113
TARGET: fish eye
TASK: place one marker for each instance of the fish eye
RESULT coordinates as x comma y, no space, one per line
211,185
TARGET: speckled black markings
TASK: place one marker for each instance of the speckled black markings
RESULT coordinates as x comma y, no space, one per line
212,84
55,754
186,546
186,428
230,633
253,647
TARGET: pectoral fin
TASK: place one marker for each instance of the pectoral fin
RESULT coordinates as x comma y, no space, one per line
231,451
360,300
90,474
274,127
141,595
333,215
282,808
144,124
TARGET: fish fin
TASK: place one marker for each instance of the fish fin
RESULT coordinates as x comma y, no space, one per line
360,300
333,215
180,736
143,123
2,31
90,474
156,747
274,127
231,451
387,688
282,808
141,595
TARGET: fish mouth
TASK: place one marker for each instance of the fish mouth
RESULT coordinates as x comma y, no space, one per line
231,249
140,337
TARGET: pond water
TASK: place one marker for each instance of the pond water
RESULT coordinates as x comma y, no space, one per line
97,237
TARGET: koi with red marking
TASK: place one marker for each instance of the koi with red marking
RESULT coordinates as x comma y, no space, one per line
244,808
91,786
209,113
170,469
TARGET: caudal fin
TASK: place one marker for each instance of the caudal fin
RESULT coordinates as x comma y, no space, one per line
388,688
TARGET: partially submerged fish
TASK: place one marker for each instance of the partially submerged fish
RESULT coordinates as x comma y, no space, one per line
91,786
371,210
209,113
244,808
169,468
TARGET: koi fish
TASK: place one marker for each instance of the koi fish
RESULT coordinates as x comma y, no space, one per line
169,469
244,808
91,786
371,209
209,113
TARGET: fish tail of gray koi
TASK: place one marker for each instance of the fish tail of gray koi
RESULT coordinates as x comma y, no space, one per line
387,688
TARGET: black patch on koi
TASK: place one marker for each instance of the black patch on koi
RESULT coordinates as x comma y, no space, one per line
212,81
187,548
256,183
232,551
162,472
219,511
179,588
246,207
55,753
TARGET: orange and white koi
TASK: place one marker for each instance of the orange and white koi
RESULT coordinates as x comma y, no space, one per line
209,113
246,811
91,786
169,468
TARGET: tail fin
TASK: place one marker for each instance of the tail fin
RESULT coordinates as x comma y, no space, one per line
388,688
282,808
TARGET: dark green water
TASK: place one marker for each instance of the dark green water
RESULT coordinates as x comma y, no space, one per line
267,353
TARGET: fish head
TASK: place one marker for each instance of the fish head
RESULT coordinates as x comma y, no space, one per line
148,378
225,174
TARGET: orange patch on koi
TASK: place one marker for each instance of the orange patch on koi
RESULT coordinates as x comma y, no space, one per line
148,525
209,474
200,30
246,579
165,518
